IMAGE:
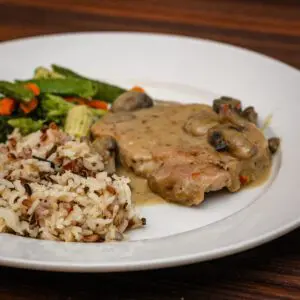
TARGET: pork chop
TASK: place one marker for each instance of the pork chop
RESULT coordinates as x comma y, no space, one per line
173,147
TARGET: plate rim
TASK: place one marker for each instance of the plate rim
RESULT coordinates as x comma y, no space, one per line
144,265
147,33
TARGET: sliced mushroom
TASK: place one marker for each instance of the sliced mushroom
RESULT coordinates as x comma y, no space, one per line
273,144
106,146
111,164
225,137
131,100
239,146
217,140
198,124
227,103
250,114
231,117
104,142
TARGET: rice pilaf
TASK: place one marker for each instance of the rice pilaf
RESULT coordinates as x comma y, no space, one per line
55,187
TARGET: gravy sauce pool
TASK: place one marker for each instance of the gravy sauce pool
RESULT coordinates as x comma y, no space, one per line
140,191
261,179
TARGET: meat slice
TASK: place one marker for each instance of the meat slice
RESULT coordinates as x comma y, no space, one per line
186,184
171,146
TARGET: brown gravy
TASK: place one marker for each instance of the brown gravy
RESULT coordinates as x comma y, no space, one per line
261,179
172,133
141,193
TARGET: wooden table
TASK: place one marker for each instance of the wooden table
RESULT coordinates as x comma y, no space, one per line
271,27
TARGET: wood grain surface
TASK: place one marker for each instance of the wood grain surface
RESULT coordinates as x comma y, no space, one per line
270,27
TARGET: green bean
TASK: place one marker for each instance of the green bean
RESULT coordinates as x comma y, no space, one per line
105,91
44,73
16,91
66,72
66,87
108,92
26,125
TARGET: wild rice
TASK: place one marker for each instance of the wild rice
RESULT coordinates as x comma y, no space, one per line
55,187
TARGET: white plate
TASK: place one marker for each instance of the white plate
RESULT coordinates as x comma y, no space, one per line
188,70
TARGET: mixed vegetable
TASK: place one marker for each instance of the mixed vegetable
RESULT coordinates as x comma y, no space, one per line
57,95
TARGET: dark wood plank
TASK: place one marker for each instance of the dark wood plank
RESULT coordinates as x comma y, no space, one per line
270,27
265,26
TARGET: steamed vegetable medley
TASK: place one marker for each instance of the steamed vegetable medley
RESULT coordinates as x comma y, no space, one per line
58,95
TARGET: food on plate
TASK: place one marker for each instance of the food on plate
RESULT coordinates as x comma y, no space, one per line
49,96
70,146
274,144
55,187
55,182
104,90
16,91
78,121
185,151
132,100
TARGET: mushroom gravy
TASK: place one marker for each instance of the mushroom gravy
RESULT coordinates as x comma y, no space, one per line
181,152
140,191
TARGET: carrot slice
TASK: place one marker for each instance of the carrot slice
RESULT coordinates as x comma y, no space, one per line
33,87
224,108
244,179
98,104
196,175
7,106
75,100
30,106
138,89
